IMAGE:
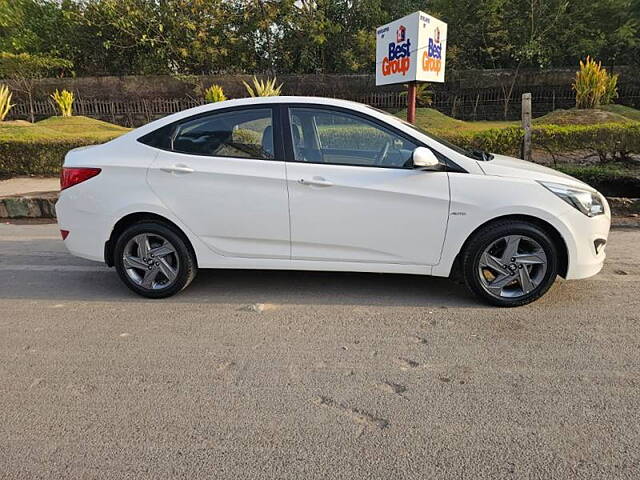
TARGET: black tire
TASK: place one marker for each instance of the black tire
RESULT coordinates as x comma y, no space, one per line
184,258
484,238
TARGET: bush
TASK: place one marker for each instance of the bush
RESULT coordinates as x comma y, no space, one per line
36,157
506,141
5,101
613,141
214,94
355,137
594,86
263,88
64,100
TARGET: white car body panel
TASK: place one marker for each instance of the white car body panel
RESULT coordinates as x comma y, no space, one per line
342,222
237,207
255,214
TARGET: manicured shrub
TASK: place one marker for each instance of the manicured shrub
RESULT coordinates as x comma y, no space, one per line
611,141
33,157
355,137
64,100
214,94
593,85
5,101
263,88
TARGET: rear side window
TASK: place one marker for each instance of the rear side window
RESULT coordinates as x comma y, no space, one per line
160,138
236,134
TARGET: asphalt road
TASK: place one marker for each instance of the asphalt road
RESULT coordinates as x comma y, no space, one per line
312,375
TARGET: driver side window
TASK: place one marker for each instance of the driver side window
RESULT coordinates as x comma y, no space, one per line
339,138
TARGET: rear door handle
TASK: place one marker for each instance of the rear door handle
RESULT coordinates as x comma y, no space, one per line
178,169
316,181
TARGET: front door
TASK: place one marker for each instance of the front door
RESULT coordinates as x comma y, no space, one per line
354,196
224,177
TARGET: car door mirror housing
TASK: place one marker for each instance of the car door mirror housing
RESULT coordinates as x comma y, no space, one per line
425,159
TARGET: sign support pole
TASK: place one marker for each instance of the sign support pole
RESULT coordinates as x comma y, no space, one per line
526,125
411,102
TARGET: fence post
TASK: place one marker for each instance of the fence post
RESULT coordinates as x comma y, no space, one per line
526,125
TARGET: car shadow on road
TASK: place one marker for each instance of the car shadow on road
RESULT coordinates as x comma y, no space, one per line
243,287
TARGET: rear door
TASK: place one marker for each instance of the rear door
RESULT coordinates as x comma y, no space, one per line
354,196
223,175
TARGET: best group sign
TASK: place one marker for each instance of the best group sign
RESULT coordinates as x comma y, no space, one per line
411,49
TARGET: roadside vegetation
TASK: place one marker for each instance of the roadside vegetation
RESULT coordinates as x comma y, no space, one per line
600,145
39,148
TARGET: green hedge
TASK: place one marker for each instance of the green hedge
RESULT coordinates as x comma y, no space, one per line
33,157
609,141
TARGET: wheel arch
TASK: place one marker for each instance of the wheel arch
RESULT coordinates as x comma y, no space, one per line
552,231
138,217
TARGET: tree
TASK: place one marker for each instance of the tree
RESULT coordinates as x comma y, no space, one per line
22,71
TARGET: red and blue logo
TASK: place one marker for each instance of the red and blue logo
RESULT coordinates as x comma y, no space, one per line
398,60
432,56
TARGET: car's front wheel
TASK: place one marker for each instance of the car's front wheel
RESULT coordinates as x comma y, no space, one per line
510,263
153,260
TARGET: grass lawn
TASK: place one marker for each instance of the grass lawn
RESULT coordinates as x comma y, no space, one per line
433,120
56,128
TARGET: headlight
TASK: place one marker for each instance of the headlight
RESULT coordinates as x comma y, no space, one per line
588,202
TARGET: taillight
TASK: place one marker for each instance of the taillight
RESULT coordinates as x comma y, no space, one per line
64,233
71,176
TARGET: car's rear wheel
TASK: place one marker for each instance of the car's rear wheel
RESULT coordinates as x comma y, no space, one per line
510,263
153,260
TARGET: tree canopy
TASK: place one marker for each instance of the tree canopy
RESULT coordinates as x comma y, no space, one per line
189,37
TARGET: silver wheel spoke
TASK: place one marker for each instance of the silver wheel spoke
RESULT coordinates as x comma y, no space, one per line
499,283
143,245
134,262
493,263
531,259
167,270
525,280
510,251
149,277
163,251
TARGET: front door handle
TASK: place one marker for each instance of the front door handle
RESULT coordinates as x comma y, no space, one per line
178,169
316,181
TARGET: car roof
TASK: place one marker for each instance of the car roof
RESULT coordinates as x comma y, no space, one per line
251,101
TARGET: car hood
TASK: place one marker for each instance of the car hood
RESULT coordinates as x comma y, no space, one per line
504,166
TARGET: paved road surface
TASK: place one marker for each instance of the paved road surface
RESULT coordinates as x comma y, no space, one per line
312,375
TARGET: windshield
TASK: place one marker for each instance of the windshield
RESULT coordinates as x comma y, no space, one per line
475,154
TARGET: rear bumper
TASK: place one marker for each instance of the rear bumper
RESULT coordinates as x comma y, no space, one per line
88,230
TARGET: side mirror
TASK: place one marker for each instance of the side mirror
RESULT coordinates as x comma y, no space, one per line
425,159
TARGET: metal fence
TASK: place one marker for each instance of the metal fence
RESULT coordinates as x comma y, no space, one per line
469,104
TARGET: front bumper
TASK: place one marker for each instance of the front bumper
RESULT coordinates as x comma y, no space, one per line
584,239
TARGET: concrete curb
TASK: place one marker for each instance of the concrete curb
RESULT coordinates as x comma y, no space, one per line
30,205
42,205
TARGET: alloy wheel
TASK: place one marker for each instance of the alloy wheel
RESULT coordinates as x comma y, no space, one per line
150,261
512,266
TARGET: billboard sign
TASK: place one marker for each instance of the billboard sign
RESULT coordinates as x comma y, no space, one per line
411,49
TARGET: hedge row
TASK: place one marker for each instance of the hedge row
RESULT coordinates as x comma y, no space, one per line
35,157
609,141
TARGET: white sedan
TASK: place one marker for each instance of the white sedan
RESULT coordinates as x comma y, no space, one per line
304,183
